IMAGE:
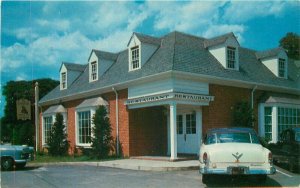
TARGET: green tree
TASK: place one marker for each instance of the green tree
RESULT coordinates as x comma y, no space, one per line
101,142
242,115
291,43
19,131
58,143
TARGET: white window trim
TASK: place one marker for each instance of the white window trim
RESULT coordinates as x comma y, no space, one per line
90,71
275,122
44,144
130,58
236,64
92,112
61,81
285,68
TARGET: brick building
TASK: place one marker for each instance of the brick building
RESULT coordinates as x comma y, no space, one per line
163,93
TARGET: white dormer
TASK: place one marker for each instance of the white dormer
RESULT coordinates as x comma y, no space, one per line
68,74
276,61
140,49
99,62
226,50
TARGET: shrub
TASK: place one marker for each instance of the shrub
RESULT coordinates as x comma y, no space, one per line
58,143
243,115
102,139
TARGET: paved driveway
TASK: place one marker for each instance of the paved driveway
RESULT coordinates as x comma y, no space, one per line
93,176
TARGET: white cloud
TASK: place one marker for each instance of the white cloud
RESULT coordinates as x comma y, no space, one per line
216,30
58,24
242,11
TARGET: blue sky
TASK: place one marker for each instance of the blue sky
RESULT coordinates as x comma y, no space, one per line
37,36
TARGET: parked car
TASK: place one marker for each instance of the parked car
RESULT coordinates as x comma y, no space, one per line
287,149
15,155
234,151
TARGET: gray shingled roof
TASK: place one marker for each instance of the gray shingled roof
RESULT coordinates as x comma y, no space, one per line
148,39
217,40
179,52
268,53
105,55
74,67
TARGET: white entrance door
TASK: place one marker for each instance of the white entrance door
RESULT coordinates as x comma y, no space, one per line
187,133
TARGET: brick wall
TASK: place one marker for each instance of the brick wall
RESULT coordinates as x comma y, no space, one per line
219,112
148,131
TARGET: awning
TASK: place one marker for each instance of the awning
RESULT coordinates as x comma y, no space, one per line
99,101
282,100
55,109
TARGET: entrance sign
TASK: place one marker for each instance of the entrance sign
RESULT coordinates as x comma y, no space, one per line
174,96
23,109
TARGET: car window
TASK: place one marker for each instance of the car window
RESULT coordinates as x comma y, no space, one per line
210,139
297,136
233,137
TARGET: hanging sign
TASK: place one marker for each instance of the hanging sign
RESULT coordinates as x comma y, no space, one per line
23,109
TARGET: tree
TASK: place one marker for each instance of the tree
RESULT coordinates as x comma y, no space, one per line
291,43
58,143
20,131
243,115
101,142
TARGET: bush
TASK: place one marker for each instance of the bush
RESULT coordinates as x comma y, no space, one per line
102,140
243,115
58,143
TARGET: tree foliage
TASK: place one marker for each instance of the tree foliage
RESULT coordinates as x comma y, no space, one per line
101,142
291,43
243,115
19,131
58,143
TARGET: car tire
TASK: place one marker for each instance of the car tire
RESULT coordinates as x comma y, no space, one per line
262,178
6,163
205,178
20,165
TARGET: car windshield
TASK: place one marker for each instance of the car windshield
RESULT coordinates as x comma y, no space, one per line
297,136
231,137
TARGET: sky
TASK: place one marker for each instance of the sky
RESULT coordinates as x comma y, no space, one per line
37,36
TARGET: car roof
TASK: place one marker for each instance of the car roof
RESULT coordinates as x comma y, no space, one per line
231,129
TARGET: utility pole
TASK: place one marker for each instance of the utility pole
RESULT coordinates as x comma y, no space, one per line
36,109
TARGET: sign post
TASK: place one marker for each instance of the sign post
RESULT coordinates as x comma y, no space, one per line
36,109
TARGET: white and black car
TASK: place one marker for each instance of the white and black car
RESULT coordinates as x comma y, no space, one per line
234,151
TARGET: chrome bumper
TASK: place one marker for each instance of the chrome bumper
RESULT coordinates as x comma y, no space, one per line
230,171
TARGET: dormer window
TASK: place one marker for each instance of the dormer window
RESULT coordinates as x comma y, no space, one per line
231,57
94,71
63,80
135,58
281,67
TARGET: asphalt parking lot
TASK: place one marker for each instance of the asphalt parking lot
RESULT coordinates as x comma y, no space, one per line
93,176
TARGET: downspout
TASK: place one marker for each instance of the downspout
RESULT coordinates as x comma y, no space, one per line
117,120
252,101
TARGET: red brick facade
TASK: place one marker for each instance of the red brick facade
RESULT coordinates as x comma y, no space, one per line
143,131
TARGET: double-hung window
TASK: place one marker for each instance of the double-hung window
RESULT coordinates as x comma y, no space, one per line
84,127
281,67
48,121
231,57
94,71
135,58
63,80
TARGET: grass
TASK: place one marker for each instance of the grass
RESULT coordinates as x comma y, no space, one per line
53,159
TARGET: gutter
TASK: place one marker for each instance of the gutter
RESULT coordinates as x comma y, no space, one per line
252,101
117,119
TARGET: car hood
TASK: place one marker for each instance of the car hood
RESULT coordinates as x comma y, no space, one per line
237,152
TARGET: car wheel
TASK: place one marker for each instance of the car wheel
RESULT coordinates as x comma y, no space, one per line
262,178
6,163
20,165
205,178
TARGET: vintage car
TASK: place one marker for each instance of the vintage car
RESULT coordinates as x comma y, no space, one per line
234,151
287,149
14,155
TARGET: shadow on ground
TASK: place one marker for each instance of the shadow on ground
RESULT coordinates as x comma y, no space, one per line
241,181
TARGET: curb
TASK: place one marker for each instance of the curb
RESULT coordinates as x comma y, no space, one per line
114,165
